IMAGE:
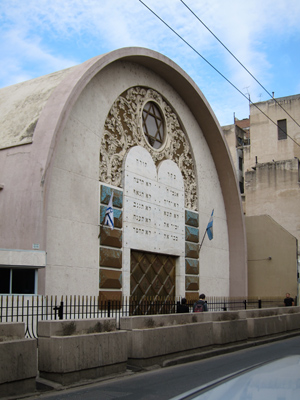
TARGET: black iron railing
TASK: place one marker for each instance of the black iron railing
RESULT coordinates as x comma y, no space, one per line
31,309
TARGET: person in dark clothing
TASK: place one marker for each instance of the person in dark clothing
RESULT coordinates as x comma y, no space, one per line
288,301
183,307
201,304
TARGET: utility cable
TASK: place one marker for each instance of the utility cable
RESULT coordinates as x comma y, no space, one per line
223,76
238,61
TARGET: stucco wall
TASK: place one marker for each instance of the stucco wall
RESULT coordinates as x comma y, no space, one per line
265,145
272,258
273,189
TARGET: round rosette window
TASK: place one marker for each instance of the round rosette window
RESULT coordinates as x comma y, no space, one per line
153,125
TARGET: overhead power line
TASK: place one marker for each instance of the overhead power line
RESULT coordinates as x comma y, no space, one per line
246,69
223,76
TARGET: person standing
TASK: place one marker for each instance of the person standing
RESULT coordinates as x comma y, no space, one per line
201,304
288,301
183,307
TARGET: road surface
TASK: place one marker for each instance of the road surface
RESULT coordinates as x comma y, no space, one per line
165,383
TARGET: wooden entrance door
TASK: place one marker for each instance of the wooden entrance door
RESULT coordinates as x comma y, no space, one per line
152,275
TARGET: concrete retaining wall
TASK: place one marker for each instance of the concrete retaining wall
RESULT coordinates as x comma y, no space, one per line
18,361
74,350
152,346
225,332
152,339
71,351
75,327
267,312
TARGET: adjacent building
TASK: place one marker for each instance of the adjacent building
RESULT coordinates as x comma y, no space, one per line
266,152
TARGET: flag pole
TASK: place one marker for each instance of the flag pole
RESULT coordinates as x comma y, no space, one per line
209,226
202,241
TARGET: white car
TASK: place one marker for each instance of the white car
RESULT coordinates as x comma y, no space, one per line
277,380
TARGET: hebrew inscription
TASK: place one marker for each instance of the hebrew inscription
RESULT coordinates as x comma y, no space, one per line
123,130
153,204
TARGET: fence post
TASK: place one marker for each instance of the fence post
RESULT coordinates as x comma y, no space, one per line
245,303
108,308
259,303
61,310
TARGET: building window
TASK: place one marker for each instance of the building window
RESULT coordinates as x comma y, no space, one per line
17,280
241,185
240,163
153,125
282,132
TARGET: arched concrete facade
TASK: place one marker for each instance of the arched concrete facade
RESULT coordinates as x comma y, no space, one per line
50,197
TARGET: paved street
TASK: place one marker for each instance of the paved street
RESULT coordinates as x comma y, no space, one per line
165,383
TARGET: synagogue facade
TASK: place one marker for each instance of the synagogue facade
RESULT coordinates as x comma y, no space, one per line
132,126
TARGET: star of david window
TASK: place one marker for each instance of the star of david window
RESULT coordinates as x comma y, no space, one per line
153,125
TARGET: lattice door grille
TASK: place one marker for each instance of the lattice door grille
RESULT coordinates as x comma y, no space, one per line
152,275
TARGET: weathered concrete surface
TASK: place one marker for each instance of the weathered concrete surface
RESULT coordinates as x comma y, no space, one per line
265,326
18,366
153,339
153,346
75,327
267,312
12,331
153,321
229,331
69,359
292,322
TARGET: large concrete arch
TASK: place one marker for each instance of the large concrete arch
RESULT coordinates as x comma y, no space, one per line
54,117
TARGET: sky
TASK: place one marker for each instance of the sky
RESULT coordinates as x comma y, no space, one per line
39,37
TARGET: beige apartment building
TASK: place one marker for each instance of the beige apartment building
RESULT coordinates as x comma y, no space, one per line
266,149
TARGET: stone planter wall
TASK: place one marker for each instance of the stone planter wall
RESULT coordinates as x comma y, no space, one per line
153,339
74,350
71,351
18,360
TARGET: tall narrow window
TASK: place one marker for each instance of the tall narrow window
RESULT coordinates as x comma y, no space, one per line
282,132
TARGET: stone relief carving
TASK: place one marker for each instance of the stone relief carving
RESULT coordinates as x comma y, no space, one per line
123,130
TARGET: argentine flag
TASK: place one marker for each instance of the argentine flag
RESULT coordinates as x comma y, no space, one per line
109,214
209,228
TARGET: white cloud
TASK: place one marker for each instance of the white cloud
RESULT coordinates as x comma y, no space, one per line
39,37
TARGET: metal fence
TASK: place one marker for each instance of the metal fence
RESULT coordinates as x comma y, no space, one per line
31,309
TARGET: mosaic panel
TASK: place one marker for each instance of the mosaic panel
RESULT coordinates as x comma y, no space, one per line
118,216
191,218
110,237
191,250
191,234
191,283
110,257
110,279
106,194
191,266
112,295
